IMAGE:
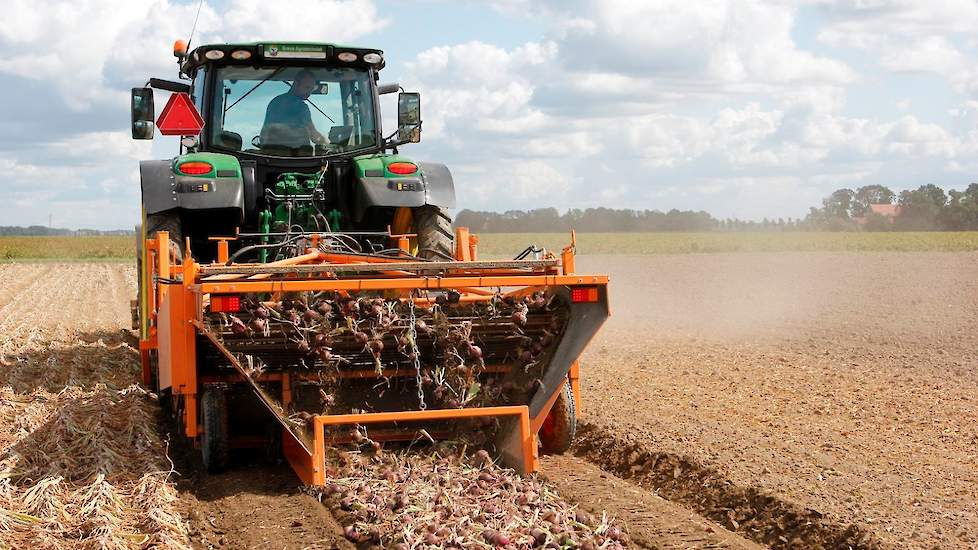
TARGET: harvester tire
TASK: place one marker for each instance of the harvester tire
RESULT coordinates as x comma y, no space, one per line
169,222
214,444
436,240
558,430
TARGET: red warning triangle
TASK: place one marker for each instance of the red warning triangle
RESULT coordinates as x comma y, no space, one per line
179,117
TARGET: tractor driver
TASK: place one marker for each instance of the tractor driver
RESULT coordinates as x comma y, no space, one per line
288,121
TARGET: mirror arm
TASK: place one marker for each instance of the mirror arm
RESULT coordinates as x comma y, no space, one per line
383,89
389,141
168,85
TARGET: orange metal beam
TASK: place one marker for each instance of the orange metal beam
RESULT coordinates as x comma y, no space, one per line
398,283
297,260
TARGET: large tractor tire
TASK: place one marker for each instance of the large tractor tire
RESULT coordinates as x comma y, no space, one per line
214,444
560,426
436,240
169,222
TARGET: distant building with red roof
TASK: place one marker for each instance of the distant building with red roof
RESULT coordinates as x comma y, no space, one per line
889,211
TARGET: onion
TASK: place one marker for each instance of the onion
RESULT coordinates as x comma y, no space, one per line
351,533
238,326
519,318
361,337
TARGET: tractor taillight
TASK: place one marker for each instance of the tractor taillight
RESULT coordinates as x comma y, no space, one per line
402,168
225,303
584,294
195,168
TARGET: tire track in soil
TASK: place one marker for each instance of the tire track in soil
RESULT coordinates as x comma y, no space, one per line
651,521
756,514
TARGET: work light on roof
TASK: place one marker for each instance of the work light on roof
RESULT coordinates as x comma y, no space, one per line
347,57
240,55
372,58
214,55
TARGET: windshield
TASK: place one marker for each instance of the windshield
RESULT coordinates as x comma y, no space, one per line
292,111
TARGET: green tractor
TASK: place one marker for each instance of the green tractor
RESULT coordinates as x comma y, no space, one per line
291,143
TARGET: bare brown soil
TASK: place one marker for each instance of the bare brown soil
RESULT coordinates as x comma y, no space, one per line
834,390
799,400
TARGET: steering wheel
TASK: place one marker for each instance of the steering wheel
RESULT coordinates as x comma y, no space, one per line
256,141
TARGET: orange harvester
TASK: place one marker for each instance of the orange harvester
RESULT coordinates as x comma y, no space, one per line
184,350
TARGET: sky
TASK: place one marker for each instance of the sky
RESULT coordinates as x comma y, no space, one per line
741,108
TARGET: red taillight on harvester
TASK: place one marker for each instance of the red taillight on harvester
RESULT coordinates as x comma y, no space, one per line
225,303
195,168
402,168
584,294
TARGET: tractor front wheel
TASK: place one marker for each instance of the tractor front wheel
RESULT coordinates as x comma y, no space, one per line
560,426
214,447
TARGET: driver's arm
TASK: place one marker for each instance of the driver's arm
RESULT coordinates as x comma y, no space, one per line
315,136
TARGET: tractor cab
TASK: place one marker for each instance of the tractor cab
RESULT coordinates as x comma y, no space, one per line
291,142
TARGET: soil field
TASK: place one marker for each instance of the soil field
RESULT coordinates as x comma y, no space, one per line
796,400
794,397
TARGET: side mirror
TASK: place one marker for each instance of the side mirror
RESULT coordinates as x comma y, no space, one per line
409,117
143,113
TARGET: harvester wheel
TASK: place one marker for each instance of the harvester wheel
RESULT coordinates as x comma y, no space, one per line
214,447
436,240
557,432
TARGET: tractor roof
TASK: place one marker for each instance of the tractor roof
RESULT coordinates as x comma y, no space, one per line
295,53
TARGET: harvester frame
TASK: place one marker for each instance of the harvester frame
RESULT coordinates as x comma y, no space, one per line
183,291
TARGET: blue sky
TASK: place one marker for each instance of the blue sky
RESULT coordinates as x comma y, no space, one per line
738,107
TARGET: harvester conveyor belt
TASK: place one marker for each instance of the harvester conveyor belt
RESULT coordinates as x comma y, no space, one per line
276,411
379,266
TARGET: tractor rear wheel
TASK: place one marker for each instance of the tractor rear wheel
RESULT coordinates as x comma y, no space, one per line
154,223
560,426
214,444
169,222
436,240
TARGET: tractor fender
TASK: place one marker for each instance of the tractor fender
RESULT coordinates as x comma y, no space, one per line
439,185
165,190
433,186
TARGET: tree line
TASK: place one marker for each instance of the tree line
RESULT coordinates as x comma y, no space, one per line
596,220
44,231
927,208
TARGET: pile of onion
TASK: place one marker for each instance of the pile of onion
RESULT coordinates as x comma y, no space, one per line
448,499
